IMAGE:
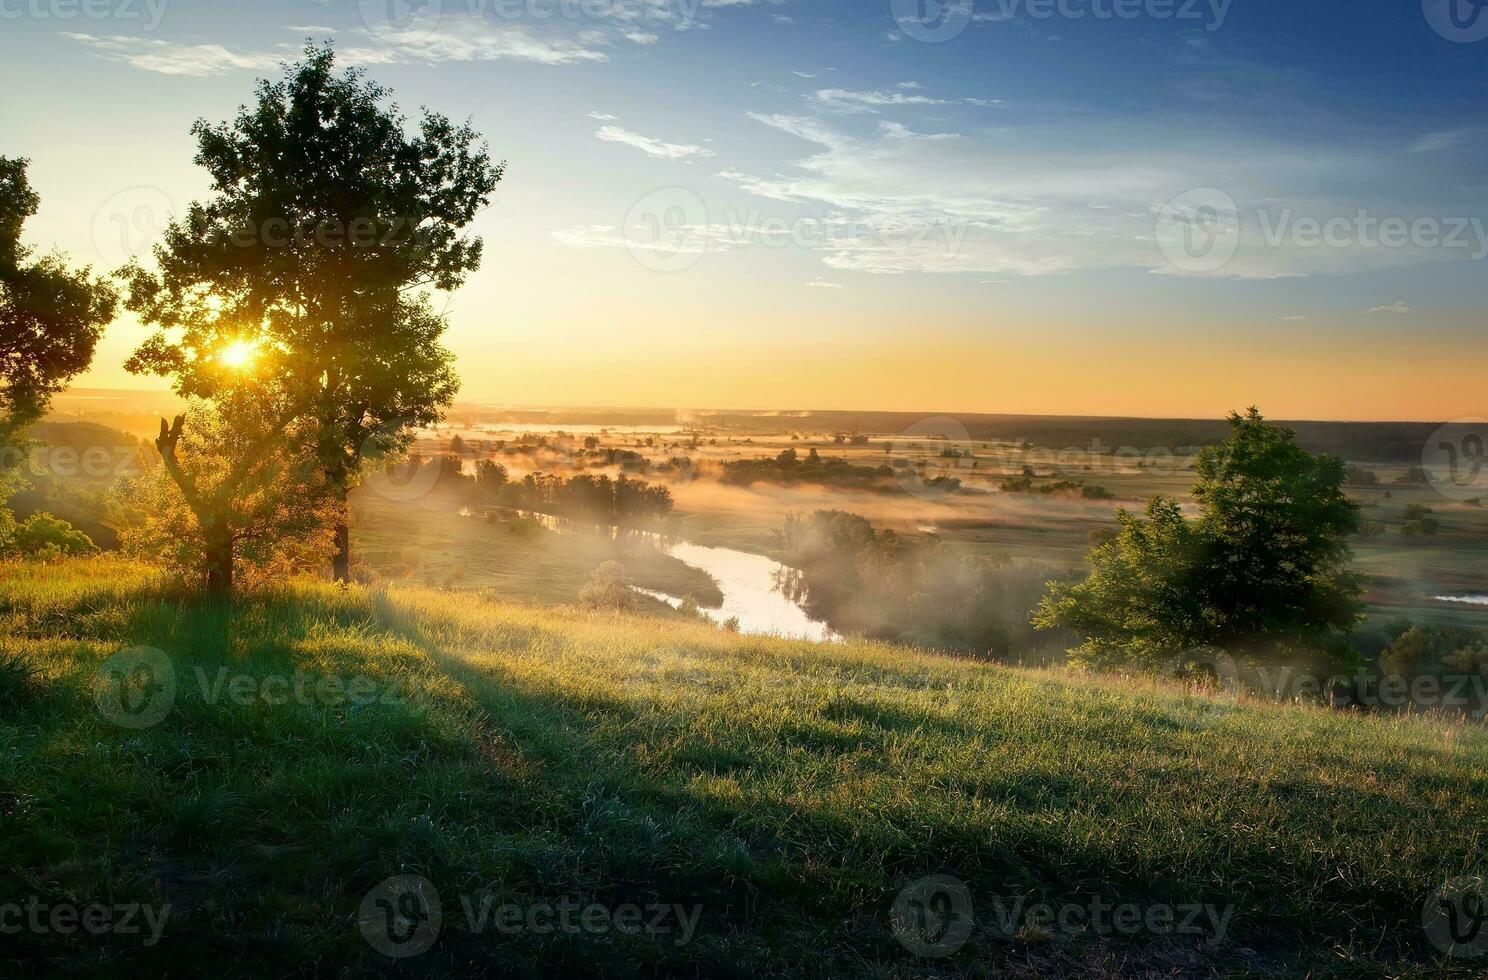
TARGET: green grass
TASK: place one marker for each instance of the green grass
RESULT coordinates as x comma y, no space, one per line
791,791
430,543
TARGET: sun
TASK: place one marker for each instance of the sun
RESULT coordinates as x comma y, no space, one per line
236,355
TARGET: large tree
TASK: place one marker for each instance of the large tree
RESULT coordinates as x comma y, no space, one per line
50,316
328,223
1262,572
50,321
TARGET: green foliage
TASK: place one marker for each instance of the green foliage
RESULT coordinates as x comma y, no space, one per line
1024,483
788,468
589,498
235,487
50,322
1261,572
42,537
323,266
50,316
1436,651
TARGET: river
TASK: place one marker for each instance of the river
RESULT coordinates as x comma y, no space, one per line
750,583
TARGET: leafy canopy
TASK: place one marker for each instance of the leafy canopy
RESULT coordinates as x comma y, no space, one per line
50,317
1263,570
327,223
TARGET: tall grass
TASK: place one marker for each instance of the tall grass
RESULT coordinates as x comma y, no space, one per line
791,790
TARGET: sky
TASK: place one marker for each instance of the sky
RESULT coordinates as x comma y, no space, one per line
1112,207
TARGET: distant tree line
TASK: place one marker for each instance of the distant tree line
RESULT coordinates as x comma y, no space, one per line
598,498
790,467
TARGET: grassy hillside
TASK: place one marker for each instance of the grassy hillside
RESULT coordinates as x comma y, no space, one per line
762,801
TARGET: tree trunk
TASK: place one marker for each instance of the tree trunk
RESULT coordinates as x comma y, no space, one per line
341,560
219,554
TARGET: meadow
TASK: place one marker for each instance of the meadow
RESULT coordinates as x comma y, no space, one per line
767,802
1406,575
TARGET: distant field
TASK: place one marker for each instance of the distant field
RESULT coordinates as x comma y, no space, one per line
782,794
427,542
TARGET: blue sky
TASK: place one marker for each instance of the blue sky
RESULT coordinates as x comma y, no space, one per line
868,205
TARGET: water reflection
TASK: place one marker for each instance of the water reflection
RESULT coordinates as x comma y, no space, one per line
757,591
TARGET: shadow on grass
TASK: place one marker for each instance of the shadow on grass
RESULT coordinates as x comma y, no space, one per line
265,824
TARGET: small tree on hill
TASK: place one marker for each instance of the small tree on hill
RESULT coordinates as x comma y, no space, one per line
1263,571
609,589
238,486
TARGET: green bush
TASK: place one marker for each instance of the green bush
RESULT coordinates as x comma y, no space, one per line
43,537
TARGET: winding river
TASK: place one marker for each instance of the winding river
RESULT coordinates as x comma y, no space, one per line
750,583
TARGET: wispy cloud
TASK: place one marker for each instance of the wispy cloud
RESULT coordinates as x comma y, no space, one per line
643,236
1444,140
652,147
1083,194
848,101
174,58
1397,307
447,38
471,38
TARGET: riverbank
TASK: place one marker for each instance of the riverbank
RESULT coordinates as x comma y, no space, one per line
428,542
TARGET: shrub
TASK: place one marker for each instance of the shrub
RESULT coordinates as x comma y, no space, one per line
608,589
44,537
